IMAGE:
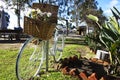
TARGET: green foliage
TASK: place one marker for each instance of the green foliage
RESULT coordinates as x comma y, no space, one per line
110,36
94,18
90,7
94,42
90,10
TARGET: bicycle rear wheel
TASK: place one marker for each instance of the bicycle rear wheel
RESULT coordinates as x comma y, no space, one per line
57,48
29,59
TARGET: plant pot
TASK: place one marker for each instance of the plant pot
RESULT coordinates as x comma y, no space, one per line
103,55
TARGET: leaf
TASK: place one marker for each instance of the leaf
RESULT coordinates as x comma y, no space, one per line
92,17
117,11
115,15
105,40
114,23
110,33
114,47
112,28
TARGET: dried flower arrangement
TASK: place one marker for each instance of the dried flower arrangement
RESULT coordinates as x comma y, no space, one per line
38,14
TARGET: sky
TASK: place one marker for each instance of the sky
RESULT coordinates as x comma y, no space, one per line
106,5
13,17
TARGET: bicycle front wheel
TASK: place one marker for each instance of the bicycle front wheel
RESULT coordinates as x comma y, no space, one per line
29,59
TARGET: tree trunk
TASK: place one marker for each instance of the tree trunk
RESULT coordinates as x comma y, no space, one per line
76,9
67,27
18,13
39,1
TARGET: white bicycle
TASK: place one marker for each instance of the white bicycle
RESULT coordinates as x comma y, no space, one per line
32,55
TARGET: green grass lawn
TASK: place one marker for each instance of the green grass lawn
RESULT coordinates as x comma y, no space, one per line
7,64
8,60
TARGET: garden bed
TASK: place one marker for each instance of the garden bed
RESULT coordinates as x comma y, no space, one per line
10,51
85,69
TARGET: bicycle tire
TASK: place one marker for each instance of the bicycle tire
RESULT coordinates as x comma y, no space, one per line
57,49
29,59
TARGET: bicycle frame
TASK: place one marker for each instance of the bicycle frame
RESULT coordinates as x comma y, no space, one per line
54,48
44,54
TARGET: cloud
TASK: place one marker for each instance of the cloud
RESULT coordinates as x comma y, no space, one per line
113,3
108,12
2,4
110,6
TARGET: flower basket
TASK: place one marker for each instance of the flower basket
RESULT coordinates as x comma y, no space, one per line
41,29
38,28
46,8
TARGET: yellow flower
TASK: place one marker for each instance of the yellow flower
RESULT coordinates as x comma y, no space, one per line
33,10
34,13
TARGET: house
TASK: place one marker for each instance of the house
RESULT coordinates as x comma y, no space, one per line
82,30
85,30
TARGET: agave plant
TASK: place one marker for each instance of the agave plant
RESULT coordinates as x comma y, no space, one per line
110,36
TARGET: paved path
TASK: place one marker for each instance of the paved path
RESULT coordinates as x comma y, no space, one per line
10,46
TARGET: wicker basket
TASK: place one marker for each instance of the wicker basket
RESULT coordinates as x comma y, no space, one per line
41,29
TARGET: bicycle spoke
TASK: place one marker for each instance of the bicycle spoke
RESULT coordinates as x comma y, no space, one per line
32,56
29,59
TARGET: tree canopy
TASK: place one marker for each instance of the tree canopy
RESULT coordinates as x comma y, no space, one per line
90,7
73,10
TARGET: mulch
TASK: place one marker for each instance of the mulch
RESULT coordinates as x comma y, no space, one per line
82,68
